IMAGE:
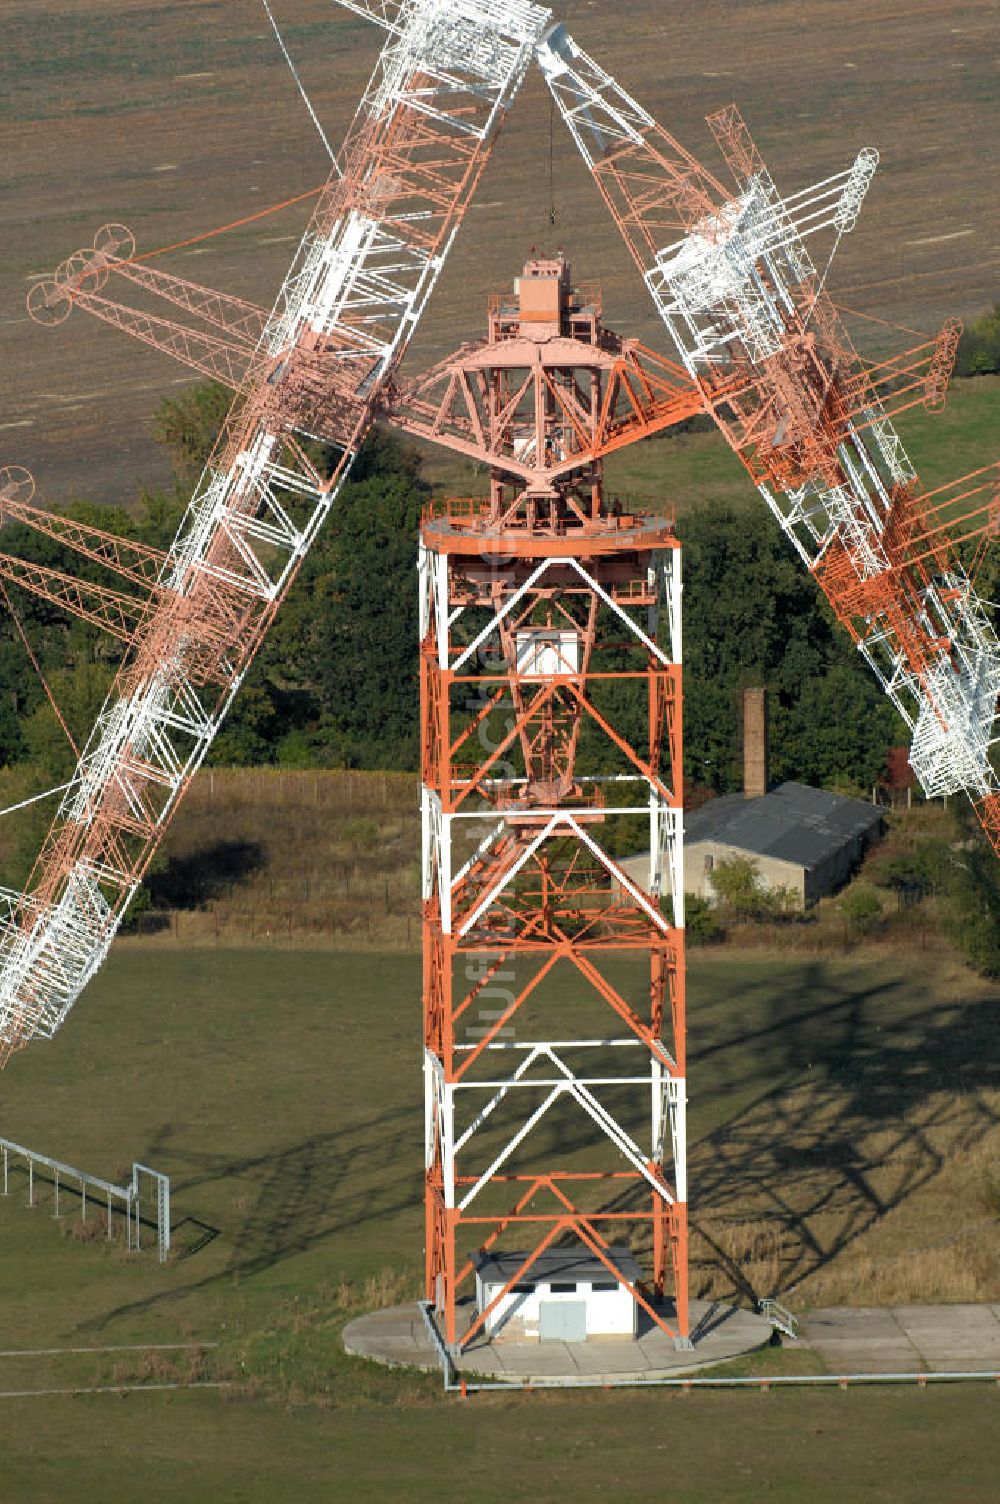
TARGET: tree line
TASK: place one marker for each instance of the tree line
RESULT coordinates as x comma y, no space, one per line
335,684
979,347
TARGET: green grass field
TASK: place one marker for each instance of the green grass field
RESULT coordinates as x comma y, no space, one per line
844,1112
280,1090
868,1447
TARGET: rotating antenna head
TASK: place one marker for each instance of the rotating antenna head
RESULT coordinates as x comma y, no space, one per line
50,300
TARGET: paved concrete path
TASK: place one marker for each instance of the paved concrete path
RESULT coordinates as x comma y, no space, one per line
849,1340
905,1339
398,1335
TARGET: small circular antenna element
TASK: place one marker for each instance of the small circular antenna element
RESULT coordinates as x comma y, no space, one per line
48,303
80,269
116,242
16,484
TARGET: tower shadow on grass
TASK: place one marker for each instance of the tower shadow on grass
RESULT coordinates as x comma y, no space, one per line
309,1191
189,882
846,1101
868,1105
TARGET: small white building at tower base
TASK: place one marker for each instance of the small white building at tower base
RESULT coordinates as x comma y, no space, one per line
567,1295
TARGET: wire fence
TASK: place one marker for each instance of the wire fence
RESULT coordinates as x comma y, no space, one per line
272,926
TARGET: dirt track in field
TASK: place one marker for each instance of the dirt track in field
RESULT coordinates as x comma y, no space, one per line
178,115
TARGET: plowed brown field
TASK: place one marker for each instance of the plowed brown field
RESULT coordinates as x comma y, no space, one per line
178,115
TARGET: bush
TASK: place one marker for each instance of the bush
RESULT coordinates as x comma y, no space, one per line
972,907
920,871
701,923
736,881
861,907
964,877
740,890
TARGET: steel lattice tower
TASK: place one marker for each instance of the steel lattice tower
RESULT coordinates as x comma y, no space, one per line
551,716
764,352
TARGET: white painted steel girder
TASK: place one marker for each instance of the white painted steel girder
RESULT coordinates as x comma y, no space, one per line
366,284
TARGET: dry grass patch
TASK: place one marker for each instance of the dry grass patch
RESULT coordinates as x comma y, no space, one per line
282,857
161,1368
735,1260
940,1244
961,1270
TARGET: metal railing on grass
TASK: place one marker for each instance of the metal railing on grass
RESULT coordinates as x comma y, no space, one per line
127,1199
779,1316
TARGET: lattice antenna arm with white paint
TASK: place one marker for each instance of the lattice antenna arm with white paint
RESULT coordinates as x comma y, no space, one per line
384,12
734,282
356,289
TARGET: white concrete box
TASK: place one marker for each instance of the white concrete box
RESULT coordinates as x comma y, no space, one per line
571,1277
545,651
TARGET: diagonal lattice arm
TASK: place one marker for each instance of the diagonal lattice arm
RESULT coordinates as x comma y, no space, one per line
357,287
733,281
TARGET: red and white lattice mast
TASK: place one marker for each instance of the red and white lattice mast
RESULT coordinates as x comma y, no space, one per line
550,619
550,655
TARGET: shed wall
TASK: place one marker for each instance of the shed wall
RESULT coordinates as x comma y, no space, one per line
773,873
610,1313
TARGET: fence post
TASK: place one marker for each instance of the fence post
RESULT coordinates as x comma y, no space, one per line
31,1182
5,1169
163,1217
56,1212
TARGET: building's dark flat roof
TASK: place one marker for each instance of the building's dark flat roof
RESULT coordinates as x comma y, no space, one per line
558,1264
793,823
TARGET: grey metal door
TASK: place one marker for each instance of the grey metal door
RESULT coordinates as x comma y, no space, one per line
562,1320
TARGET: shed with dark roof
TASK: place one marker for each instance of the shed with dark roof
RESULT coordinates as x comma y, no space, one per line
803,839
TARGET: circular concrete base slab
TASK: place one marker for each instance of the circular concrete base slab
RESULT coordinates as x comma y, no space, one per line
398,1336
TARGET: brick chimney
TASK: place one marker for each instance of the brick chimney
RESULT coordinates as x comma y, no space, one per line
754,743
